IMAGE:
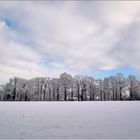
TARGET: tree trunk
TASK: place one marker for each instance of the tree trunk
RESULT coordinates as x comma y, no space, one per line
101,95
49,94
57,93
116,93
108,96
26,97
72,95
120,90
82,96
90,95
65,93
41,93
53,94
131,95
113,92
57,97
78,93
14,91
44,93
104,95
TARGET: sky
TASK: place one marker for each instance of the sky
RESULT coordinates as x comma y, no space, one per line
47,38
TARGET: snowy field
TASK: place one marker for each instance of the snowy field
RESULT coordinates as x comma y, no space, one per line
70,120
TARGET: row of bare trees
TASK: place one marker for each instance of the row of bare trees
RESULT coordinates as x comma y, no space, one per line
68,88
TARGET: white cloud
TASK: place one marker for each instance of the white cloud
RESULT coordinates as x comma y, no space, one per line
75,36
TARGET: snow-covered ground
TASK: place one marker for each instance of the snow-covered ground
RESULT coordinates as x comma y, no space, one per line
70,119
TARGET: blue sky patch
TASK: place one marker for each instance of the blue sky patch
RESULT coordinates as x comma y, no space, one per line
11,23
105,73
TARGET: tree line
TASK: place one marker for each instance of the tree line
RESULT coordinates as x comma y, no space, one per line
68,88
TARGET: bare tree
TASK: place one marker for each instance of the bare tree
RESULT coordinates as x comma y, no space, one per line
65,80
81,88
133,86
121,83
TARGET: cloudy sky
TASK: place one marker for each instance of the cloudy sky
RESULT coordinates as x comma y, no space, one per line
78,37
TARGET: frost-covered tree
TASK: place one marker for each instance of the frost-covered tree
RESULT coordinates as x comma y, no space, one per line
66,82
107,89
92,88
80,88
1,92
100,88
78,81
121,83
113,82
133,86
